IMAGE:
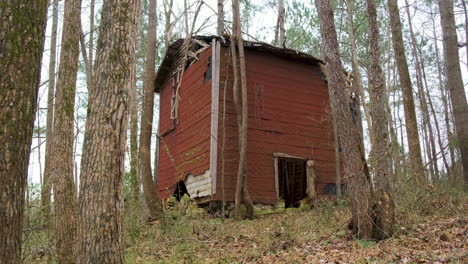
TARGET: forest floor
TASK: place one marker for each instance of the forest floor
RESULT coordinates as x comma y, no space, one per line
433,228
430,228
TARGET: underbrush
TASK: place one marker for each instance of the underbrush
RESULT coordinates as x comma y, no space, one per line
431,227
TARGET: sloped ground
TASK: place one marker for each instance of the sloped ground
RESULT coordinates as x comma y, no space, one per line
431,228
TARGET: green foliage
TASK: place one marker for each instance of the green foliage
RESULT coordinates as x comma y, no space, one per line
302,27
128,186
365,243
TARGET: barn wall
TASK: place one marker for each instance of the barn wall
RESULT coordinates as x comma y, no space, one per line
185,151
288,113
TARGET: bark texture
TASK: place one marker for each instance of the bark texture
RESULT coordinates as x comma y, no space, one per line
46,185
150,187
62,158
22,28
455,81
355,167
408,98
385,213
102,167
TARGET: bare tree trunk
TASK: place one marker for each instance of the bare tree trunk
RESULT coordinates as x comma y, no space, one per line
357,80
455,81
242,114
422,99
91,38
87,64
396,156
355,167
385,208
134,172
168,24
434,116
186,10
408,99
280,39
46,187
442,91
465,13
339,191
22,29
220,27
150,187
65,203
102,167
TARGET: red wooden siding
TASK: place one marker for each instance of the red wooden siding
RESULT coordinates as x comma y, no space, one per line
186,149
288,113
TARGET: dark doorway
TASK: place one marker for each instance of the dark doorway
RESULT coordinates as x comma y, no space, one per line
292,181
180,190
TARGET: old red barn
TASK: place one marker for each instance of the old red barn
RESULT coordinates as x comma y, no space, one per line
290,137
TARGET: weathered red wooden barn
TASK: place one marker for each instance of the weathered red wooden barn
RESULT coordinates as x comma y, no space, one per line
290,137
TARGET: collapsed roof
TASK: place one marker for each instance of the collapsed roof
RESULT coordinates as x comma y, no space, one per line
182,53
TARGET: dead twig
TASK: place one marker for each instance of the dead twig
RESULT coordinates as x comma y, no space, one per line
198,240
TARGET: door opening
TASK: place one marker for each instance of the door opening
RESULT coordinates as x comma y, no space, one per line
292,181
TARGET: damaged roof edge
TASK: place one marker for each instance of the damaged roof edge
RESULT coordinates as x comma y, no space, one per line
172,54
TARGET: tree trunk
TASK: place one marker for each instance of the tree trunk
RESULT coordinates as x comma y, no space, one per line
408,99
220,27
465,13
455,81
46,187
186,10
22,29
422,99
62,158
385,211
102,167
280,39
134,171
91,37
357,79
168,23
442,92
355,167
434,116
242,192
150,187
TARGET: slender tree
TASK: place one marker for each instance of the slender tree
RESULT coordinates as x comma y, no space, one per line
242,193
408,98
150,186
168,5
134,171
220,26
46,185
427,127
102,168
442,88
380,147
355,166
280,39
62,158
357,78
22,30
91,36
455,81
